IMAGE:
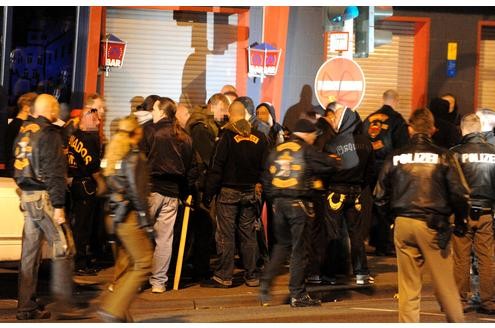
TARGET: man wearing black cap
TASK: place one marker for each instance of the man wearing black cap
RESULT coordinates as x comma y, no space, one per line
290,177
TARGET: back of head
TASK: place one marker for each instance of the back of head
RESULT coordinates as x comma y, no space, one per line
237,111
168,106
27,99
390,96
47,106
422,121
470,123
248,104
218,98
149,102
120,143
487,117
228,88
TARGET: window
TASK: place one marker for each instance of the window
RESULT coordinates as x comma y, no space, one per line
38,34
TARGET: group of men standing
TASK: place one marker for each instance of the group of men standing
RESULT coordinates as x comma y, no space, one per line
318,184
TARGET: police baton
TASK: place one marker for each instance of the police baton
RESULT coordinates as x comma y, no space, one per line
180,256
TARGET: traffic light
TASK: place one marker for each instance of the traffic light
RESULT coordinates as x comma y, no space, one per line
336,15
366,36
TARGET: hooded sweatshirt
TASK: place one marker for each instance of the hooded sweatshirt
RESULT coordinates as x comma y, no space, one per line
251,116
447,134
276,132
238,159
353,147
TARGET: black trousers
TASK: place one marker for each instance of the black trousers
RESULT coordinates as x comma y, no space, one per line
84,205
290,223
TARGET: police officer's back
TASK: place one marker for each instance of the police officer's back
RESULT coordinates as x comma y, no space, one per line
477,159
421,184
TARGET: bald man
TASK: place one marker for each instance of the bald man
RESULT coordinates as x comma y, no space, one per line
235,171
39,171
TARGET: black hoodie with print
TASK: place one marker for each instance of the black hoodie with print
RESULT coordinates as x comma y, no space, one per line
238,160
353,147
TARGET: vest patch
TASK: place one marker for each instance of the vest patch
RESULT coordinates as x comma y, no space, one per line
252,138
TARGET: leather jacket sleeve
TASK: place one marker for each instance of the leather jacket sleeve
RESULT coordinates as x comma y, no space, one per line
458,187
53,165
321,163
136,171
382,190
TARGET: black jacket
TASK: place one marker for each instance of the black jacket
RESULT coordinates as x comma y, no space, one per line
477,160
40,163
83,154
352,146
128,187
447,133
238,160
294,168
422,181
170,157
387,131
203,131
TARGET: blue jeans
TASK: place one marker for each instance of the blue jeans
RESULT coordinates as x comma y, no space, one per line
38,222
164,209
236,210
291,227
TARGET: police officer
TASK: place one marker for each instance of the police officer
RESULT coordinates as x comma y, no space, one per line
291,173
477,160
39,171
387,131
422,184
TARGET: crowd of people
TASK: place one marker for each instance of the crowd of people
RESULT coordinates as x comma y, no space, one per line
328,184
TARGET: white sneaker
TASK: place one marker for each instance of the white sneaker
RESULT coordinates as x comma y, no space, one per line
364,279
157,289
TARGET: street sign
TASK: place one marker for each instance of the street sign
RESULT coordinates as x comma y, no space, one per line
339,41
340,79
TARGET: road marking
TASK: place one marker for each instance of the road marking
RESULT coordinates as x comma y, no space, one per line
388,310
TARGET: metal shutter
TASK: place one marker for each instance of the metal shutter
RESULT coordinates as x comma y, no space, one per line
156,54
486,84
389,67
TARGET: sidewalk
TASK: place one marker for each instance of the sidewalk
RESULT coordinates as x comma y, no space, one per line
192,296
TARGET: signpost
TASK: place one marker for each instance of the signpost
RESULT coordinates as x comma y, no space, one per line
340,79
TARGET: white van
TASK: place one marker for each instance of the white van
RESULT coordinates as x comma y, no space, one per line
11,223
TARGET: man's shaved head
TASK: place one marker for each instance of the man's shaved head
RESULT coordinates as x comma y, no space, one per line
47,105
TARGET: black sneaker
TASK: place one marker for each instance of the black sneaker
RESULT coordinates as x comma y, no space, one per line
213,283
485,310
33,315
86,272
304,301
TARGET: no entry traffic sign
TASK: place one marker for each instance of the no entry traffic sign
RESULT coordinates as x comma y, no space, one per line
340,79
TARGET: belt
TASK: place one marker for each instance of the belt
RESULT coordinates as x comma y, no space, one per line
345,189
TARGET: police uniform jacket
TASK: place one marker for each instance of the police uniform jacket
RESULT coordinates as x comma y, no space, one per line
422,181
477,160
40,163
